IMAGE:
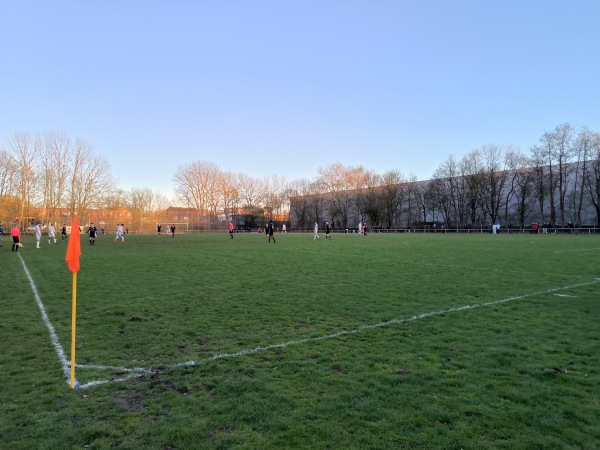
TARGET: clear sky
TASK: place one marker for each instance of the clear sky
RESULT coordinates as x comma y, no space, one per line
285,87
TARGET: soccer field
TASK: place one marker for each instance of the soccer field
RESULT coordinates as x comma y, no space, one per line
389,341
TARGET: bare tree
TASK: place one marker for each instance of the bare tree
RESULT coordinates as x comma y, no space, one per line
160,203
412,209
372,199
447,185
420,195
523,179
392,196
273,188
90,179
196,184
472,174
8,188
556,151
299,192
279,188
343,185
540,178
230,194
56,167
563,154
592,177
251,191
141,201
494,177
24,158
316,207
583,149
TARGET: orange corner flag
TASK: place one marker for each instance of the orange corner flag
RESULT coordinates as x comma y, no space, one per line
74,248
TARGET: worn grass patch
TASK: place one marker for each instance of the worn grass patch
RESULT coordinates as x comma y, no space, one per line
376,350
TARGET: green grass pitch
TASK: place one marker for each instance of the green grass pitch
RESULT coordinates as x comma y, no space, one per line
389,341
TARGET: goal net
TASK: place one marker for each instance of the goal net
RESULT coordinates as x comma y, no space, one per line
165,228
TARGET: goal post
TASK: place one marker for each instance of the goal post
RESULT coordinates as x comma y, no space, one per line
180,227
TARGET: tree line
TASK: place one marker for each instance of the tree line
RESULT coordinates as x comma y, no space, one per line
50,176
557,181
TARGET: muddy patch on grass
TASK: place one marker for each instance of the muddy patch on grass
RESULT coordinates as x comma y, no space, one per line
130,400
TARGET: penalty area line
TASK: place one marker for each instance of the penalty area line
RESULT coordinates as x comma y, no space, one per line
373,326
139,372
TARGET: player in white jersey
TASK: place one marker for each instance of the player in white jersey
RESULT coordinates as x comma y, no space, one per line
51,233
38,234
120,233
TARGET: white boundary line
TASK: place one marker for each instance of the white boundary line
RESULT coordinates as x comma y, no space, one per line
140,371
64,362
578,250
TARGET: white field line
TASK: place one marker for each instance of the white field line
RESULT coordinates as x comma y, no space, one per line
140,371
578,250
65,363
495,269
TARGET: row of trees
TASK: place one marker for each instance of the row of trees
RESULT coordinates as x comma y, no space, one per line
51,177
205,187
558,181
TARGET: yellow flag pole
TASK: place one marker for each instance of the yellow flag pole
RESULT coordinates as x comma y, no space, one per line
73,320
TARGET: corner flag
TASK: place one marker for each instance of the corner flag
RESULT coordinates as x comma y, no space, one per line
72,259
74,248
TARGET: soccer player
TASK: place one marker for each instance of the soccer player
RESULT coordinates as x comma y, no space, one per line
327,230
16,237
38,234
231,229
270,231
51,233
316,229
92,233
63,232
120,233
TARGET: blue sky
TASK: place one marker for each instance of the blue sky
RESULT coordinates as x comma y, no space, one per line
284,87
